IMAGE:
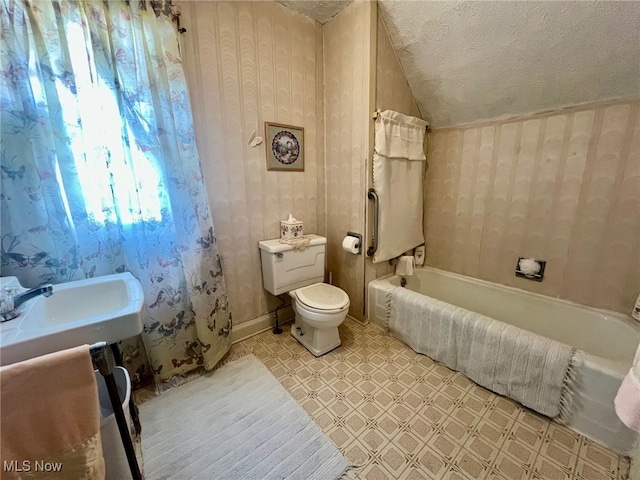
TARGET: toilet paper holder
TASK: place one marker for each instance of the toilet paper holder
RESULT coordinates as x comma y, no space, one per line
359,237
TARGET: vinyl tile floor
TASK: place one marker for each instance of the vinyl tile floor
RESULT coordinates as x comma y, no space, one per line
396,414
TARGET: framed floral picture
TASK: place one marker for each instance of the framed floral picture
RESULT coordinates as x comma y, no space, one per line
285,147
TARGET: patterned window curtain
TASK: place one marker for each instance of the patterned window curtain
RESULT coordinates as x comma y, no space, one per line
100,172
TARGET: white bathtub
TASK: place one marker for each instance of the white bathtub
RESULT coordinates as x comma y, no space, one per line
609,339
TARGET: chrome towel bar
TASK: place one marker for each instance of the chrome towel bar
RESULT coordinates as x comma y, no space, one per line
376,114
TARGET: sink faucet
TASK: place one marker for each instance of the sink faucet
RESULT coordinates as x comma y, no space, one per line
9,309
46,290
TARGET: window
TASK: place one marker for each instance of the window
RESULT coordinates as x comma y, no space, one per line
117,180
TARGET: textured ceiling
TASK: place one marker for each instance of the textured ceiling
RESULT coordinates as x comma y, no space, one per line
320,11
473,60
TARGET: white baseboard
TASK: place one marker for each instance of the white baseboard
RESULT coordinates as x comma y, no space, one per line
266,322
260,324
361,322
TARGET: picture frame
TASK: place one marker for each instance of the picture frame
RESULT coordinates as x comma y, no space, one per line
284,147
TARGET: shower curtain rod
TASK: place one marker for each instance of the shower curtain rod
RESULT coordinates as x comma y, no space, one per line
377,113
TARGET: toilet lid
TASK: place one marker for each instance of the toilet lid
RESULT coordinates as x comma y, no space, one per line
322,296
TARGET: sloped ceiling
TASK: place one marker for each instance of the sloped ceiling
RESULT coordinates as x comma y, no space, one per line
321,11
472,60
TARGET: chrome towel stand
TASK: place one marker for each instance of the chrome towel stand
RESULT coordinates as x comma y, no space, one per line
103,360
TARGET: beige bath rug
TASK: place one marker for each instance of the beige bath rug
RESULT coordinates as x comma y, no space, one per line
235,423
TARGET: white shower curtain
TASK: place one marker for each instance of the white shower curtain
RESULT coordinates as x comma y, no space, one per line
398,163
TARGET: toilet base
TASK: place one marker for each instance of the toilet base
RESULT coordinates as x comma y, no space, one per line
317,340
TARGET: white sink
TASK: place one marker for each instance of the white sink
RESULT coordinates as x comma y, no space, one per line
107,308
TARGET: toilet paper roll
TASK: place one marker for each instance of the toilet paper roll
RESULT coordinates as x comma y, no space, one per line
351,244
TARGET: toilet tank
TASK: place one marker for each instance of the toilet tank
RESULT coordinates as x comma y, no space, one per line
285,268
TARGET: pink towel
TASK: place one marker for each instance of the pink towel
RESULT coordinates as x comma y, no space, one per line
627,402
51,418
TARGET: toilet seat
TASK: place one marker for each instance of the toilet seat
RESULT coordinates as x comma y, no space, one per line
322,298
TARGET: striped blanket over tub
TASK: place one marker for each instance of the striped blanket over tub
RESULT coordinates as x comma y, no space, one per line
536,371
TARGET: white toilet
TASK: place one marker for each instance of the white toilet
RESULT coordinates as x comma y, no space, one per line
320,308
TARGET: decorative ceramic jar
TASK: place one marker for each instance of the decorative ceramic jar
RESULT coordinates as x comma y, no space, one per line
291,229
